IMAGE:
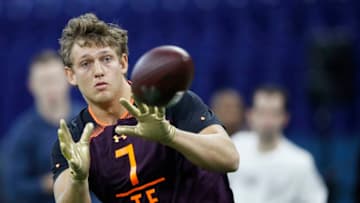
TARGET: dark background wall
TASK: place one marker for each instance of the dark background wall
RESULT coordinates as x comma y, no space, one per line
236,43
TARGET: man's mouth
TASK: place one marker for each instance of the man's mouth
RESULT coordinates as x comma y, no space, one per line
101,85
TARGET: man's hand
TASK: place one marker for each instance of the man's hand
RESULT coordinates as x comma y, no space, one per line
77,154
151,123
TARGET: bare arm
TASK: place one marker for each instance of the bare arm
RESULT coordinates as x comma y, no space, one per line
210,149
67,190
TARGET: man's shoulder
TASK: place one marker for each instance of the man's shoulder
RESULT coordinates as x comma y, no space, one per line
24,122
27,116
244,137
77,123
187,99
76,108
299,155
190,113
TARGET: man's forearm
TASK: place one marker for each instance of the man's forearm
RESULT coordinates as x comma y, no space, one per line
68,190
210,150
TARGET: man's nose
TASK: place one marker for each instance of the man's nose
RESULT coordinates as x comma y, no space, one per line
99,69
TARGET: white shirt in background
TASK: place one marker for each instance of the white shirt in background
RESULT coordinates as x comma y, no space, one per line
285,175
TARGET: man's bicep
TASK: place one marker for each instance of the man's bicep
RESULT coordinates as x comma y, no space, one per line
212,129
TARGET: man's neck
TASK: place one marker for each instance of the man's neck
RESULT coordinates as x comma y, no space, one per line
109,113
52,114
268,144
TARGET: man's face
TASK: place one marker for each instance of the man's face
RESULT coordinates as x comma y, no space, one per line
268,116
229,110
47,83
98,72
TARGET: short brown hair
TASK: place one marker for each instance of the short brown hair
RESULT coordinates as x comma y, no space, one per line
45,56
273,89
87,31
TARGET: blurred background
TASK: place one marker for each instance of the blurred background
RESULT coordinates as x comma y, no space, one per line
311,47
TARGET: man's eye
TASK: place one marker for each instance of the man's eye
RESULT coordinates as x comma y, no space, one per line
84,64
107,59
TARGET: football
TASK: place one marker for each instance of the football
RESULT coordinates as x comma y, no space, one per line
161,75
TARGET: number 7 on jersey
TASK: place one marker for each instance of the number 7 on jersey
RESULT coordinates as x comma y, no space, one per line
129,150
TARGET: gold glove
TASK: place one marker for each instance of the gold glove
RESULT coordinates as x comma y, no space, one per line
151,123
77,154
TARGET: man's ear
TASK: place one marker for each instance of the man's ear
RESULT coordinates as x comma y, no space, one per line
249,114
286,119
29,83
70,75
124,61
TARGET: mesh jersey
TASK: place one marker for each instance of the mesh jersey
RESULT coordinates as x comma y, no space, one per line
131,169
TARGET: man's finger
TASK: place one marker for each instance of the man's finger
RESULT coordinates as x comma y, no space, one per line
131,108
85,137
62,137
127,130
161,112
66,133
144,109
156,112
152,109
65,151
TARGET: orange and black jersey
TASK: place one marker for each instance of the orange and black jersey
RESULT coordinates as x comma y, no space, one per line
131,169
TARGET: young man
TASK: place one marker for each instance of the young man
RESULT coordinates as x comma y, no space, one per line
128,152
273,169
229,107
27,145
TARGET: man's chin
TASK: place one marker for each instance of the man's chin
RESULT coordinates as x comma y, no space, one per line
268,135
103,97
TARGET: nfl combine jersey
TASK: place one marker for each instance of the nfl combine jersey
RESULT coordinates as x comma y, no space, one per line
135,170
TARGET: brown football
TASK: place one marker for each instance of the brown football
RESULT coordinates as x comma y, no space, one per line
160,74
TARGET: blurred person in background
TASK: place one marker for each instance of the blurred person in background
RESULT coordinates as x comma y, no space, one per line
273,169
228,105
27,146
